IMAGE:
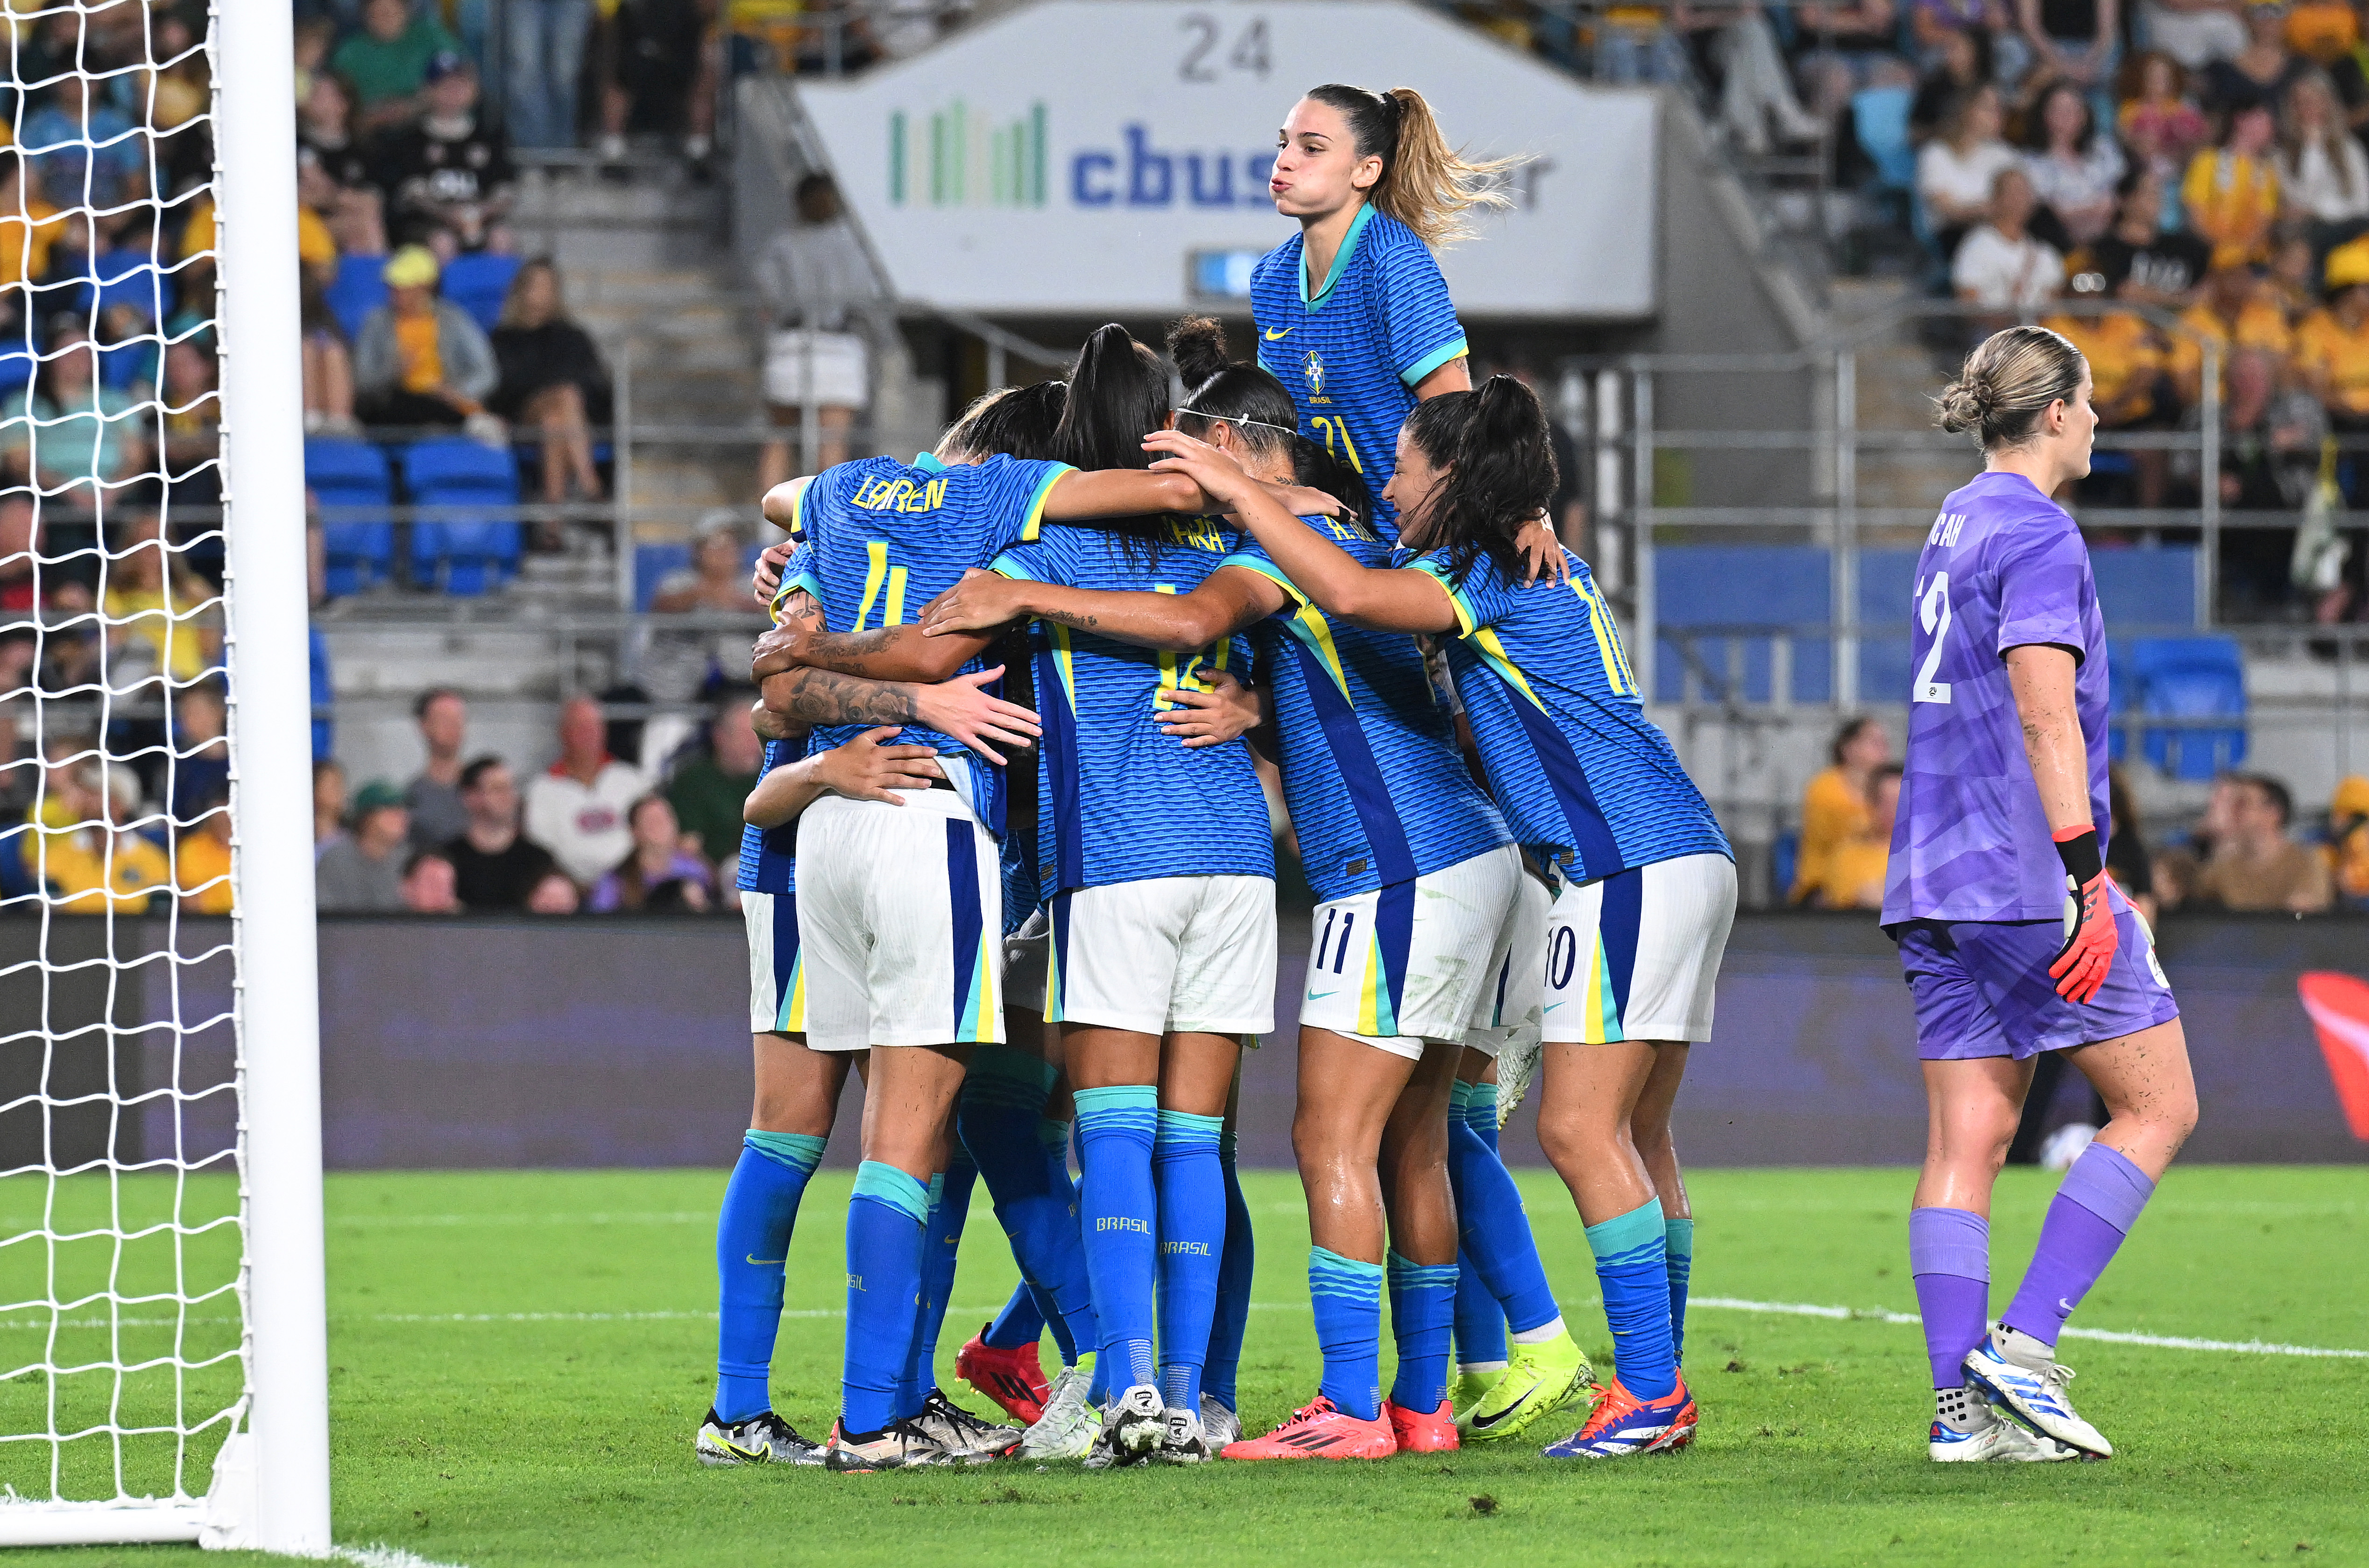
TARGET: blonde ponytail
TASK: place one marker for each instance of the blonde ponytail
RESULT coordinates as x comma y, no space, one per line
1425,184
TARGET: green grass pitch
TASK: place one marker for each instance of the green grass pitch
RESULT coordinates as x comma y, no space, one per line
519,1362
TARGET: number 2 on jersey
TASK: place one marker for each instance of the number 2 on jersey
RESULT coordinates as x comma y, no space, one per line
1933,614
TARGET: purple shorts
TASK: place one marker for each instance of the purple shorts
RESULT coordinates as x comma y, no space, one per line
1982,988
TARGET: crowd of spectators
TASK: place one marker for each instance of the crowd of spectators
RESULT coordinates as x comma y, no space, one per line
594,833
2244,854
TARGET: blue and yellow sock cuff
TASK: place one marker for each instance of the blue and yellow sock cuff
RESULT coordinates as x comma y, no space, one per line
798,1150
1182,1130
1680,1235
886,1184
1616,1238
1330,1274
1405,1275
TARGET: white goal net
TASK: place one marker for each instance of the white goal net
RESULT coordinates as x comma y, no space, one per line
143,726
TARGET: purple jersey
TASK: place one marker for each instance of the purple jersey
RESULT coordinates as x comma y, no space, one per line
2003,566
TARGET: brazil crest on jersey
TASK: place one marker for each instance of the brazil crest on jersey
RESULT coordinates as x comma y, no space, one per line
769,856
1572,757
1378,790
1351,354
888,537
1118,799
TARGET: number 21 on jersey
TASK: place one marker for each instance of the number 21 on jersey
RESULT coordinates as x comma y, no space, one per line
1933,614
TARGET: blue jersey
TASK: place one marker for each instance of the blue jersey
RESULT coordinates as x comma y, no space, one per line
1351,355
888,537
2004,567
1378,790
1571,757
1118,799
769,856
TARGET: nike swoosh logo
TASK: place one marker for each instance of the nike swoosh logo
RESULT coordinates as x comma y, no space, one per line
2064,1306
1551,1006
1482,1424
763,1263
1321,995
1276,337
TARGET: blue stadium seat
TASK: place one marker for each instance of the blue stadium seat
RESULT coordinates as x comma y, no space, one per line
360,289
1775,586
652,563
1784,863
324,695
2146,590
1879,120
470,554
2191,678
479,283
344,473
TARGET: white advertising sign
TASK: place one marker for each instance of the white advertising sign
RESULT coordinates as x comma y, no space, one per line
1091,156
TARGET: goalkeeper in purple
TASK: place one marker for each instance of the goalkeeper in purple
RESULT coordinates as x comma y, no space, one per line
2013,938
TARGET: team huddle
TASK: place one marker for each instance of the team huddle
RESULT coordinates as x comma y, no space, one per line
1337,554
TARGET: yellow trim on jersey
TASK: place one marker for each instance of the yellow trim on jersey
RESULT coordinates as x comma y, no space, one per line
1616,672
798,488
1033,523
1062,661
1319,635
1466,620
1494,651
896,611
876,552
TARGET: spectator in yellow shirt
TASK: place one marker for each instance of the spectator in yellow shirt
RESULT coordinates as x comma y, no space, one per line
2127,360
2348,841
1834,806
158,607
2232,191
29,226
103,866
1854,872
201,861
2332,345
2252,336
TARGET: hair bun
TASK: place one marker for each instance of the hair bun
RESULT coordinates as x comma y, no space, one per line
1197,345
1965,404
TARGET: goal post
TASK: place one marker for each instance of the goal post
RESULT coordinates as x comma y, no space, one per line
163,1317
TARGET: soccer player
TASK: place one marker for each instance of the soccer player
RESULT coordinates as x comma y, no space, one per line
2013,938
797,1089
1649,882
1353,315
907,969
1417,880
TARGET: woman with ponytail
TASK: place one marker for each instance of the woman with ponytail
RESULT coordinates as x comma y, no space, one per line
1416,941
1354,317
1647,882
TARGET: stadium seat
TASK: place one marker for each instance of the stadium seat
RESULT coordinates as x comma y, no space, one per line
1785,865
1879,120
1779,587
360,289
324,695
651,565
344,473
2146,592
2191,678
469,554
479,283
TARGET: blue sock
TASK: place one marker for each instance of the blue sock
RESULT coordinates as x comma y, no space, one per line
1680,1237
949,1207
1192,1191
1234,1270
1347,1297
1633,1268
1001,1123
1479,1320
752,1243
886,1220
1423,1302
1120,1217
1495,1231
1022,1322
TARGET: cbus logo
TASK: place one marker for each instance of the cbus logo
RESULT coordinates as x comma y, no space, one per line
1312,368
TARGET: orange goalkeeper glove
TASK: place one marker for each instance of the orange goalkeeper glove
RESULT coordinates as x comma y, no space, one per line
2090,936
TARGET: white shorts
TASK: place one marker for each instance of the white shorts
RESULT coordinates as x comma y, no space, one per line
777,992
1025,952
1636,957
1518,988
899,907
1167,955
1414,961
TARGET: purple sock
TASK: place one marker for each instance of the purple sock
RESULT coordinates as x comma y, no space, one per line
1950,1258
2092,1211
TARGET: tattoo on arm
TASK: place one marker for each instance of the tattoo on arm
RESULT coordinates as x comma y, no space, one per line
814,696
1081,621
848,650
800,606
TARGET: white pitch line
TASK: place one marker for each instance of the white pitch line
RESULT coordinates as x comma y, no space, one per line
378,1555
2109,1336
